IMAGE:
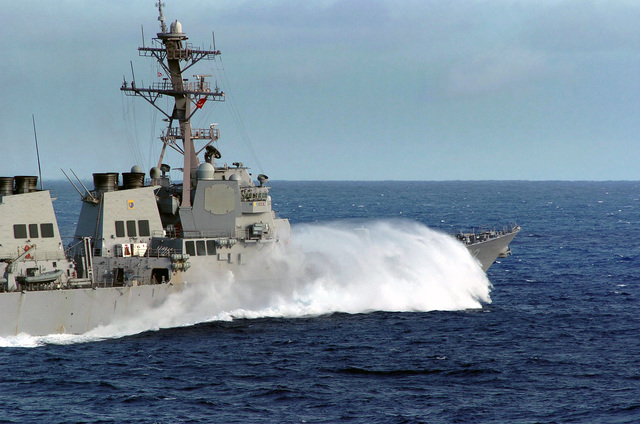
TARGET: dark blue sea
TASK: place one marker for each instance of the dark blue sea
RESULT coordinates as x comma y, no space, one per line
555,339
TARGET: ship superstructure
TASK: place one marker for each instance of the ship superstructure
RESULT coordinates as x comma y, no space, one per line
31,252
216,217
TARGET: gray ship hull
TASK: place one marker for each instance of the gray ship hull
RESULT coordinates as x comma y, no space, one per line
486,250
76,311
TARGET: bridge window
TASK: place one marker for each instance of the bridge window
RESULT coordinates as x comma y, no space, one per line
190,247
131,229
143,228
211,247
201,248
119,228
20,231
46,230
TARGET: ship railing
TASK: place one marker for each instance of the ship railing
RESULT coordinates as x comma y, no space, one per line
196,133
34,255
134,280
208,234
109,284
193,87
197,86
188,52
167,87
45,256
254,194
105,284
161,252
77,249
483,233
164,86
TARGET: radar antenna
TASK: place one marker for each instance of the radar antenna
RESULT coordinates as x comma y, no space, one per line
163,27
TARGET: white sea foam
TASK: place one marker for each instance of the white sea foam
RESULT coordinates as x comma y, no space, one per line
390,266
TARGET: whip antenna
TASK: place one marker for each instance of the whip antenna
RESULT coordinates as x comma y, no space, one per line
33,118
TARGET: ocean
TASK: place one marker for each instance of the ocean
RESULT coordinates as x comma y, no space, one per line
395,331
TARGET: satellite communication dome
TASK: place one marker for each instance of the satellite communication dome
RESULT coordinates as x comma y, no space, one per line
205,171
155,172
176,27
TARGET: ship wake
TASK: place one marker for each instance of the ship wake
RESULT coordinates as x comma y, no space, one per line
325,268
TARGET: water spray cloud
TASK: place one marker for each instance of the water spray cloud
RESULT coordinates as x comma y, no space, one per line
383,266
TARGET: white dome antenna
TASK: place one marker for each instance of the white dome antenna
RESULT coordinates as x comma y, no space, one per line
176,27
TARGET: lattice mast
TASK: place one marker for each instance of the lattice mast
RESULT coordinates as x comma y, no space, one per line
175,56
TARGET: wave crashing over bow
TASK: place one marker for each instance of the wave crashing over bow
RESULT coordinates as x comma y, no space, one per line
387,266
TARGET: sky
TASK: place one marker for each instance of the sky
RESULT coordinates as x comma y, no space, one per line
336,89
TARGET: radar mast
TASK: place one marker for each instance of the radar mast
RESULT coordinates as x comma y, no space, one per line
175,56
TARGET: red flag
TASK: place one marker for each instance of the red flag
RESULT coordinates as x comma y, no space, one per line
159,74
201,102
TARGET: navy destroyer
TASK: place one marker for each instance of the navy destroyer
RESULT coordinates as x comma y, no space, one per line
140,237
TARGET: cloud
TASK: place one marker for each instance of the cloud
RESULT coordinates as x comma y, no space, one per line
496,70
583,26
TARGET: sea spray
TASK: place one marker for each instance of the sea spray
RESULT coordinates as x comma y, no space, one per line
324,268
395,266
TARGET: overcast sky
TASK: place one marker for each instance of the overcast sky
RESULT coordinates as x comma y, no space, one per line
340,89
